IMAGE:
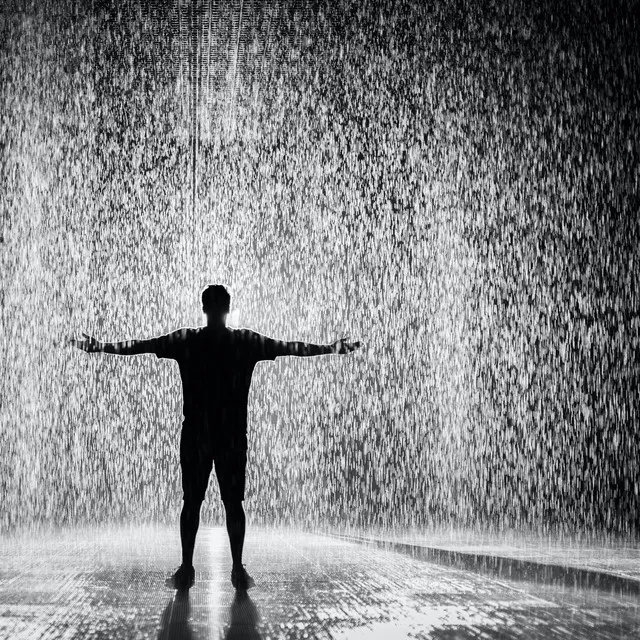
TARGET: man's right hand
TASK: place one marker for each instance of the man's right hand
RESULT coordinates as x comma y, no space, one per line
342,346
88,344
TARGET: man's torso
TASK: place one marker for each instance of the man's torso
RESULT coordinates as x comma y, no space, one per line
216,366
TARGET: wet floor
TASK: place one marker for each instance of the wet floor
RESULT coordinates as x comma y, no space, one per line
110,584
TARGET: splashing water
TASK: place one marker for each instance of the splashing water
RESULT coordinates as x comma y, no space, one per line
455,187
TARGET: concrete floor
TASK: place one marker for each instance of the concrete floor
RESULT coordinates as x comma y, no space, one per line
111,584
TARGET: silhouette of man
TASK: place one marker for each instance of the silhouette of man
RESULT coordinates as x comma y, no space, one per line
216,364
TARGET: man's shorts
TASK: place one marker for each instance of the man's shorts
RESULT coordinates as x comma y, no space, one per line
196,462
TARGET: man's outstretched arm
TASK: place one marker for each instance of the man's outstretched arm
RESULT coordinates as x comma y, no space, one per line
306,349
126,348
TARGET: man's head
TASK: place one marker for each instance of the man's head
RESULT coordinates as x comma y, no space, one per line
215,301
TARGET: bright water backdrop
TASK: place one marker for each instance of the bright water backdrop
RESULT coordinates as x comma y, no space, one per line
455,184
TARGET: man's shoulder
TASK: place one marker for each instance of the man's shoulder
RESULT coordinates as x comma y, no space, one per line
244,332
185,333
171,345
247,337
180,337
241,335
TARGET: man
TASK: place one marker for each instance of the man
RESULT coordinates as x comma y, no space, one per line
216,364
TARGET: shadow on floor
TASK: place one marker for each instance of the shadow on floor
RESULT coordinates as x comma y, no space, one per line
243,619
174,624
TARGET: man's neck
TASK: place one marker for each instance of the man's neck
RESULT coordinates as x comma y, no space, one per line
216,324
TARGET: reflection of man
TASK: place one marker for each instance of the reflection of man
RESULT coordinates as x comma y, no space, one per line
216,364
243,619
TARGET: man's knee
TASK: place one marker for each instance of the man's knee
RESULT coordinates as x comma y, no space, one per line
192,504
233,506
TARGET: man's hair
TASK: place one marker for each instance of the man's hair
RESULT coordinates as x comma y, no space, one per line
215,299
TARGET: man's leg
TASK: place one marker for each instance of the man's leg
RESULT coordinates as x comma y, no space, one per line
235,528
189,523
230,469
196,461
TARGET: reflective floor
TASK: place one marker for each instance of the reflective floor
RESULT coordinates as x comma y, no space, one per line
110,584
612,555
